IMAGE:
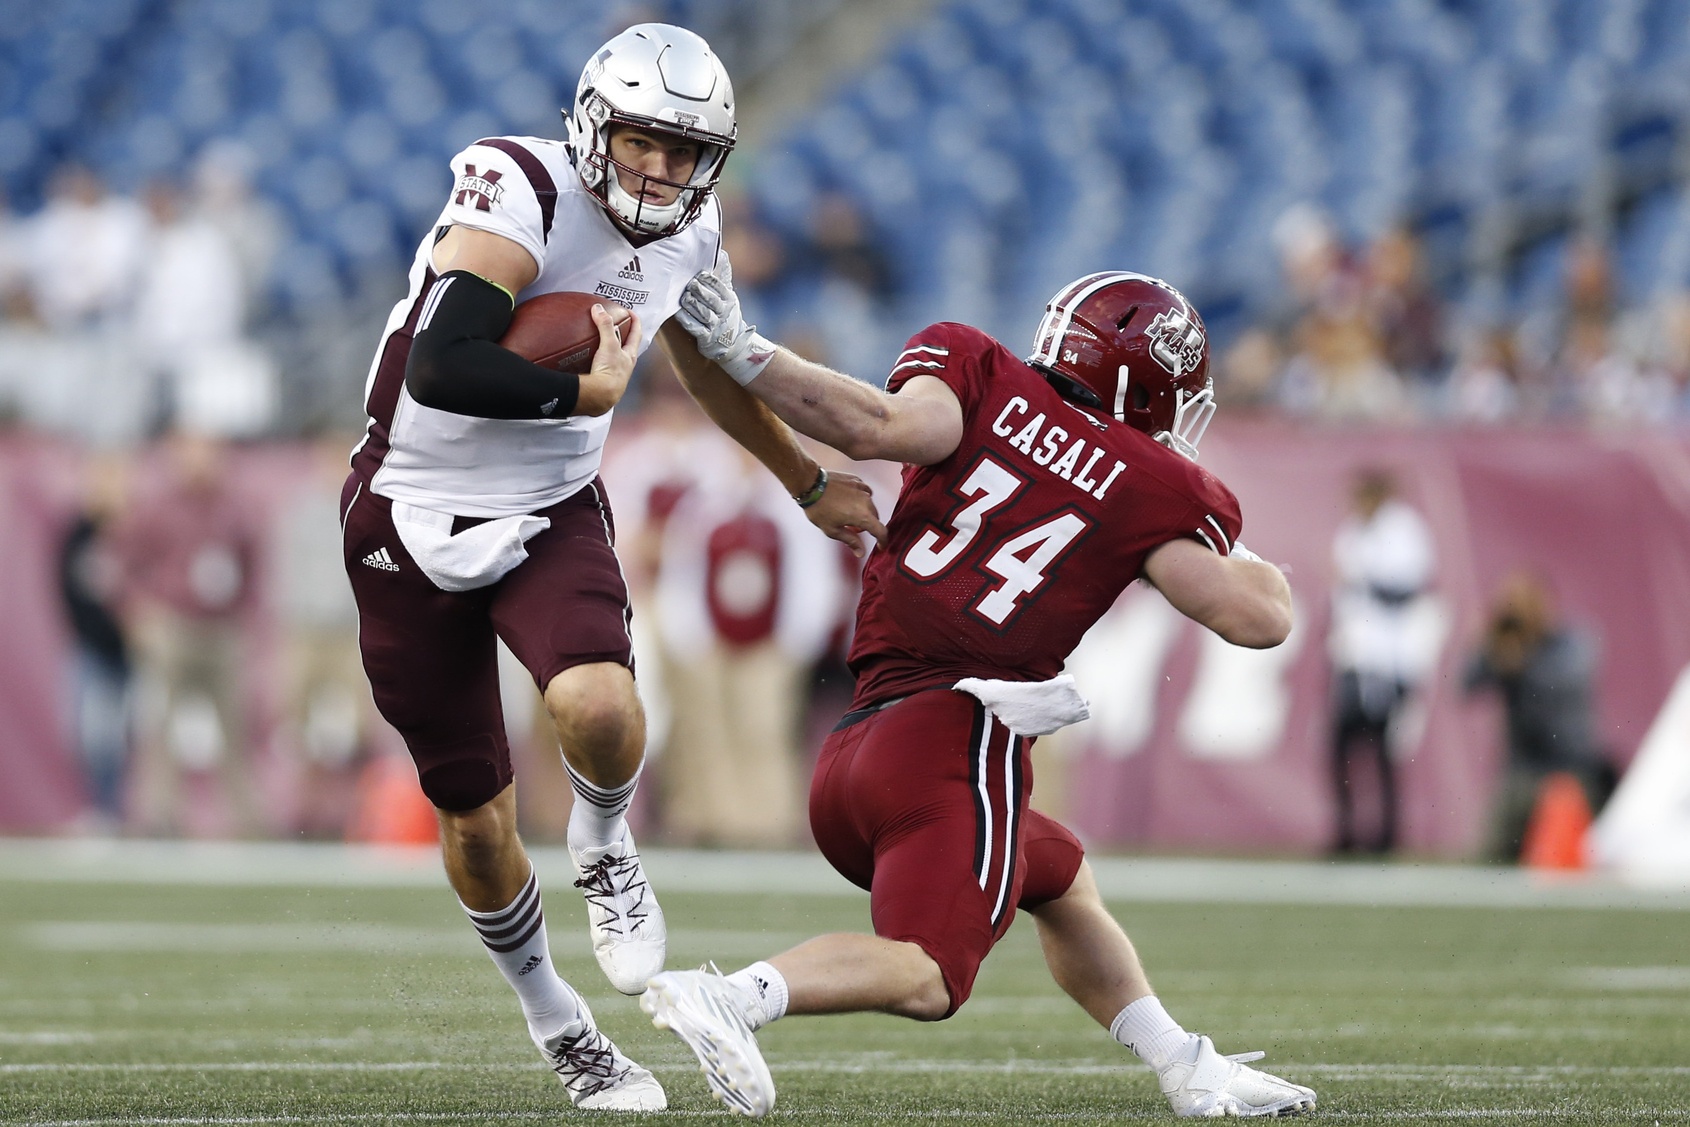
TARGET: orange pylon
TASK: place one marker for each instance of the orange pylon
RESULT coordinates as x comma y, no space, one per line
391,808
1555,837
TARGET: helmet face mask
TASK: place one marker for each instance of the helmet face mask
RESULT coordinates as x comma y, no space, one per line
1133,347
664,81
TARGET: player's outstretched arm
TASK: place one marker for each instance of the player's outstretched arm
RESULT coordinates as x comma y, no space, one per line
845,509
1245,601
921,424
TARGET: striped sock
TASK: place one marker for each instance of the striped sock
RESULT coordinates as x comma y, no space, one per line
596,821
515,937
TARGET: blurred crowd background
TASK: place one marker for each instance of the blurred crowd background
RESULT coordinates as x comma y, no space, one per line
1406,215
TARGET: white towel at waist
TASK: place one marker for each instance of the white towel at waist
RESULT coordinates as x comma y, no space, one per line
1030,708
476,557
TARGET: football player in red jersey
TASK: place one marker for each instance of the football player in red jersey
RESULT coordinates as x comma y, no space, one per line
1034,492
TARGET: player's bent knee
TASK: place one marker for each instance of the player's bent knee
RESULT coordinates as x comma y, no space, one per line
937,982
932,1001
596,703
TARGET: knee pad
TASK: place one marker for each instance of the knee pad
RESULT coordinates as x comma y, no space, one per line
462,774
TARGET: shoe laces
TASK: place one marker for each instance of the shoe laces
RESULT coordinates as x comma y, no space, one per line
607,881
587,1063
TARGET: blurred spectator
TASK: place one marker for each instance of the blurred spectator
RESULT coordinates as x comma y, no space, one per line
189,319
1339,373
83,253
190,549
250,225
1670,349
1485,384
1312,266
1562,340
843,247
89,583
327,706
1546,673
670,449
759,259
15,303
1338,369
1249,372
69,366
1611,386
1382,556
1403,309
747,597
844,315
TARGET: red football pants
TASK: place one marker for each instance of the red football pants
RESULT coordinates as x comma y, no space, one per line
924,803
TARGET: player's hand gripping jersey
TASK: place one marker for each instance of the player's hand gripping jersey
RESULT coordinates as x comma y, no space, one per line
1000,558
525,189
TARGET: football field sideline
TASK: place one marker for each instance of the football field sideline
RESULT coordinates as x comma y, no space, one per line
1147,879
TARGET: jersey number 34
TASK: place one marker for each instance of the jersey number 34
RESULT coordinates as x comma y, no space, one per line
1022,558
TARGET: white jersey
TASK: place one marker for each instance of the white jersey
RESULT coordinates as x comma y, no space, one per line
526,189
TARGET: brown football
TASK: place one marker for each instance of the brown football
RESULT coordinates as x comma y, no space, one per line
556,330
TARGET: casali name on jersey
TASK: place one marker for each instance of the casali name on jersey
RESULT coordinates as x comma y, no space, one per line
1041,442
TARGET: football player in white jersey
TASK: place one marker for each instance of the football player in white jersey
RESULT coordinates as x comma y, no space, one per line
474,509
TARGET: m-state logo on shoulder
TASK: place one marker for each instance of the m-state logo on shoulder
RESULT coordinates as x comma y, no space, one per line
482,187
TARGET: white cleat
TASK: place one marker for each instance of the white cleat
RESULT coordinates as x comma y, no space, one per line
1209,1086
704,1010
596,1074
629,939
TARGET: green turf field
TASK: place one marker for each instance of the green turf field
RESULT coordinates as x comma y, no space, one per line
214,1003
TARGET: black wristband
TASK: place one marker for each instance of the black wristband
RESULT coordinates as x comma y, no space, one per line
805,500
457,365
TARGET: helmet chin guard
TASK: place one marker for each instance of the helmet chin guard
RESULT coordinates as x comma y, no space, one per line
642,216
1191,418
664,80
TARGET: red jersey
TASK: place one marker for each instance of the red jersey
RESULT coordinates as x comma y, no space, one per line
999,558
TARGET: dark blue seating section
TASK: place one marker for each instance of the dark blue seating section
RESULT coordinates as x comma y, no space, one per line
997,149
351,107
1055,137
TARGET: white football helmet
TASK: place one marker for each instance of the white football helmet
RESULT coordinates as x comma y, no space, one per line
661,78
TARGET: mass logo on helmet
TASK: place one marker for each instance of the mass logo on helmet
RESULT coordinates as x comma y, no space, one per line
664,80
1134,347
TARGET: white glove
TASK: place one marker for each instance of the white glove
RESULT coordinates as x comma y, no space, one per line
710,312
1240,552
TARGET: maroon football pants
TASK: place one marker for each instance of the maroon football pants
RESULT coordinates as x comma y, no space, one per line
924,803
431,655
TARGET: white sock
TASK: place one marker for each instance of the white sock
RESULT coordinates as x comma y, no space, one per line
596,821
1146,1029
767,986
515,937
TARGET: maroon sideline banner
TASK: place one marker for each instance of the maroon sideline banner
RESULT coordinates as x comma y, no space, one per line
1194,745
1200,746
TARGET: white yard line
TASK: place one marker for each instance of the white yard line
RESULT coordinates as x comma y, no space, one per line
854,1113
1396,1073
799,873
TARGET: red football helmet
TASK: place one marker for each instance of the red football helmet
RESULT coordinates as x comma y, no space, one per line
1134,347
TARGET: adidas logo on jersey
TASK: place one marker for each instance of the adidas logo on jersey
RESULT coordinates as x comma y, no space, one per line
631,272
380,560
